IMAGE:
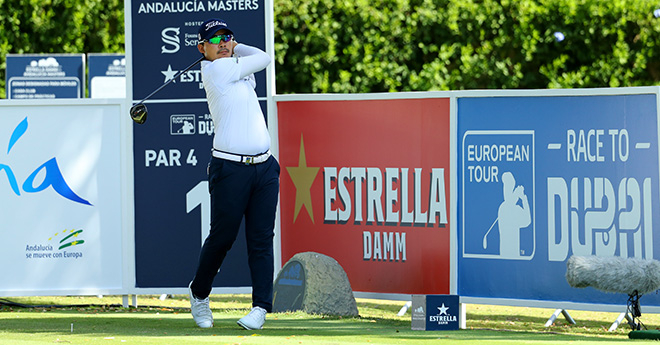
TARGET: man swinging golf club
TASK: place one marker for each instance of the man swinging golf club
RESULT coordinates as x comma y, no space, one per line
243,176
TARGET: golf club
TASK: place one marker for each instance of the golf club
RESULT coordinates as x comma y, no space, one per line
139,111
485,244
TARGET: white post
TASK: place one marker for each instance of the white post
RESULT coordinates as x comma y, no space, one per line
554,316
618,320
567,316
404,309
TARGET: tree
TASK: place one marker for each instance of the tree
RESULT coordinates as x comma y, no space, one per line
419,45
398,45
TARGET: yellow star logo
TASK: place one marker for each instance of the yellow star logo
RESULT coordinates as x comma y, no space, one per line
303,177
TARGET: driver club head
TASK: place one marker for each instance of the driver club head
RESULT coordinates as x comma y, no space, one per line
139,113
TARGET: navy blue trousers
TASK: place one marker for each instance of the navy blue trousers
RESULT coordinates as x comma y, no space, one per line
239,190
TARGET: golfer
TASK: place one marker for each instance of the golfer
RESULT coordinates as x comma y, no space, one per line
512,217
243,176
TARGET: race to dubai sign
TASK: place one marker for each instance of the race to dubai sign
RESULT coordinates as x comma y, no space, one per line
366,182
543,178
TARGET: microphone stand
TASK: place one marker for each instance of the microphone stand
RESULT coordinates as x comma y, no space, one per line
635,311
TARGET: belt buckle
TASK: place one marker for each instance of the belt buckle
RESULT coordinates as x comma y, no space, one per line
249,160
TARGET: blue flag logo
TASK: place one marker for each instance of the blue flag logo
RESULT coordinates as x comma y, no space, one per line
52,171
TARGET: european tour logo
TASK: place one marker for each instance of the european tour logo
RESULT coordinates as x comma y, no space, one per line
401,197
50,168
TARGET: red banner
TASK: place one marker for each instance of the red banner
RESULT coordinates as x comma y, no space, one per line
366,182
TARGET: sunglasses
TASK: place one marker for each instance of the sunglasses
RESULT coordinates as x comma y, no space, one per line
220,38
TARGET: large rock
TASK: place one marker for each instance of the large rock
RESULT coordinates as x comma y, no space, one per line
314,283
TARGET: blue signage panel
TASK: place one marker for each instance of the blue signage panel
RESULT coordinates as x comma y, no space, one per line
165,42
36,76
289,288
543,178
172,151
442,313
435,313
173,148
107,75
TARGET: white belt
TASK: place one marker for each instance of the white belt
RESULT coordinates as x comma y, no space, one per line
247,159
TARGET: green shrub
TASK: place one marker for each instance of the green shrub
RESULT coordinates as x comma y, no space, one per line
418,45
397,45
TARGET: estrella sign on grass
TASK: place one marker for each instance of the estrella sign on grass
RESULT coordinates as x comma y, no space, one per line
366,182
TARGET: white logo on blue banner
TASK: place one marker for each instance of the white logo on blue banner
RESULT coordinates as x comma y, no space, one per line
183,124
36,76
170,37
544,178
498,174
435,312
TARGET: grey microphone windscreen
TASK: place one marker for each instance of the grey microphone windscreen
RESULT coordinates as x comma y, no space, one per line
613,274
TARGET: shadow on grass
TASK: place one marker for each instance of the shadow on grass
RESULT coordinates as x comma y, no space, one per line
538,321
516,323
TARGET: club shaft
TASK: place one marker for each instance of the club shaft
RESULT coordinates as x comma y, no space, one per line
491,226
171,80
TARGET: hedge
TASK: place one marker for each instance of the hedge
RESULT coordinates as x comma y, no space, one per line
340,46
59,26
417,45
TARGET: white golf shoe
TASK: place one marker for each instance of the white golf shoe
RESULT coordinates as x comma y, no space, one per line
200,310
254,320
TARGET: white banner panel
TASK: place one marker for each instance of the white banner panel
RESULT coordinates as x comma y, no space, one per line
60,219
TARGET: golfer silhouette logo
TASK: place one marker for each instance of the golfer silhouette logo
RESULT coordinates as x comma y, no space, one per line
188,128
512,217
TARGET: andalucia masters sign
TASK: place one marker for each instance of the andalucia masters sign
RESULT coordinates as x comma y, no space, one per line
173,149
366,182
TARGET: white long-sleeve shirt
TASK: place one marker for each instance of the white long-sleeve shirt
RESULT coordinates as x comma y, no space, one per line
239,124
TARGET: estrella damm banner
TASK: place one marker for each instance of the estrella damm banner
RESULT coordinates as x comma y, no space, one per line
366,182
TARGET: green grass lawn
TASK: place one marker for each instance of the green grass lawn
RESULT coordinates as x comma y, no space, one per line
169,322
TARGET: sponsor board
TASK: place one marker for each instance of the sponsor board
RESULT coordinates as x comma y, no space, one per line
37,76
435,313
164,35
107,75
545,178
60,197
172,204
172,150
367,183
